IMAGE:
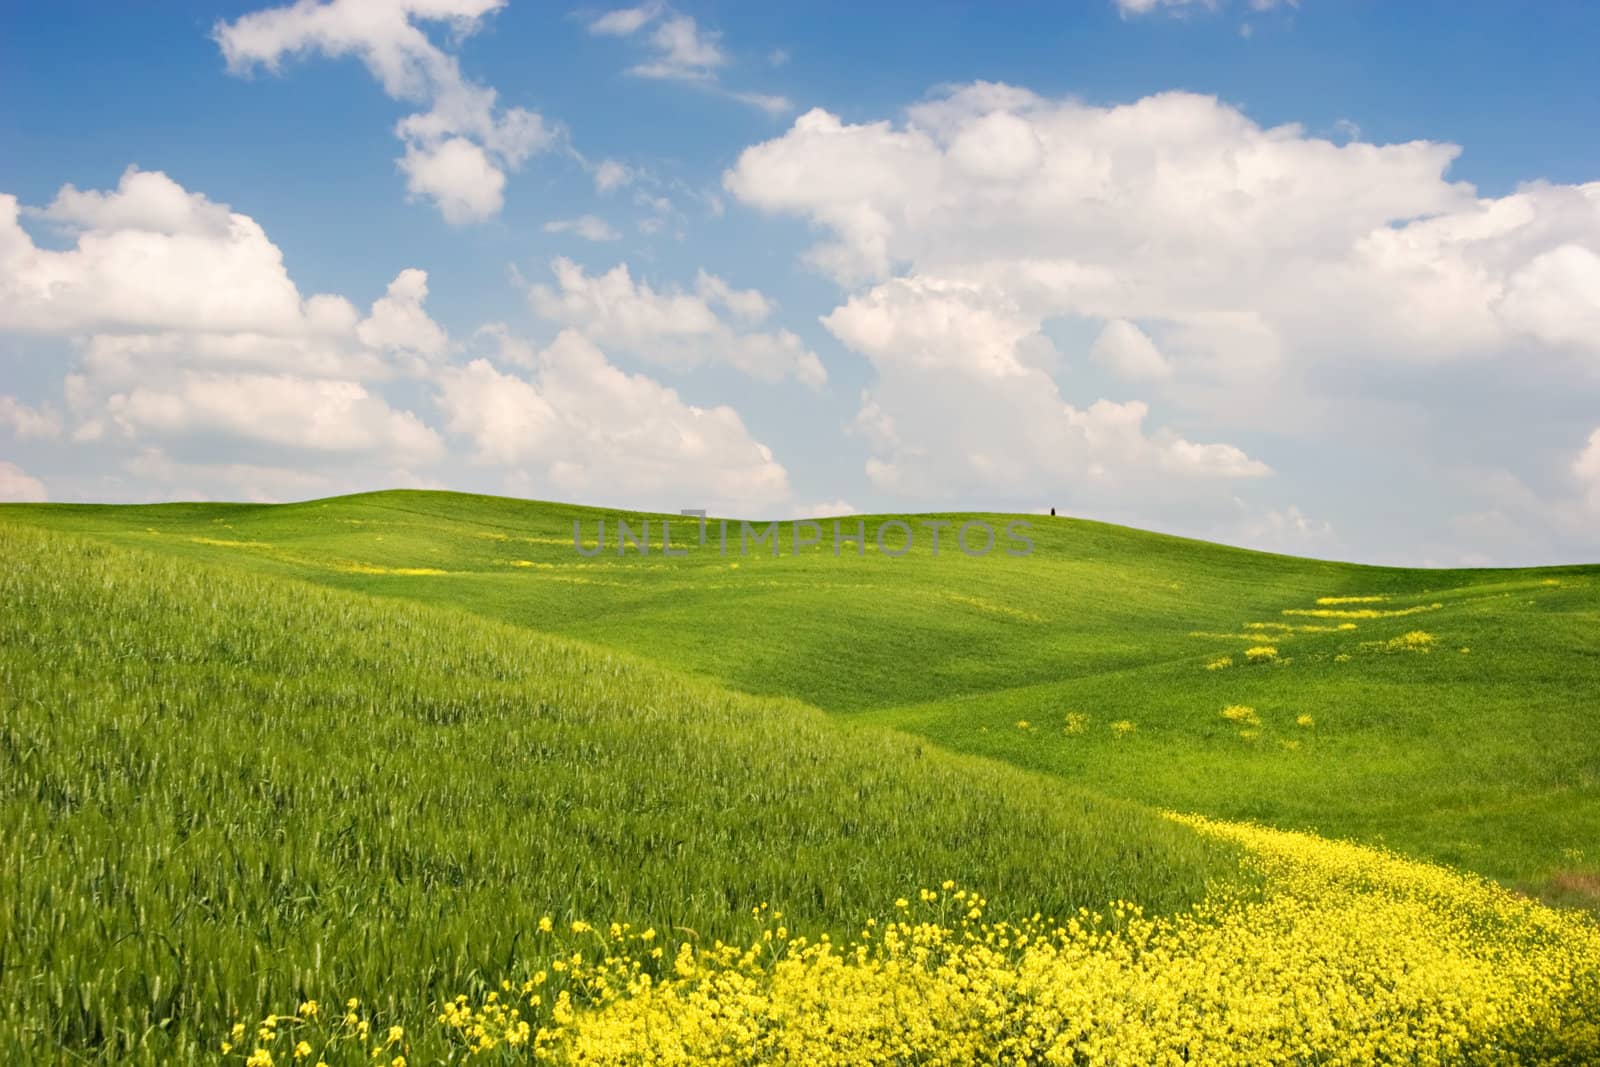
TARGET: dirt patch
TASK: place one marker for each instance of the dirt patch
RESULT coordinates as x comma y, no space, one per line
1574,887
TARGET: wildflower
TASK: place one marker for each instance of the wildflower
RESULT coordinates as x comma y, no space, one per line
1220,663
1261,654
545,925
1022,724
309,1009
1304,720
1241,713
1415,641
1077,722
302,1050
1122,728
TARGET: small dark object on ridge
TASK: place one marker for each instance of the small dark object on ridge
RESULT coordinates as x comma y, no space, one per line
1052,513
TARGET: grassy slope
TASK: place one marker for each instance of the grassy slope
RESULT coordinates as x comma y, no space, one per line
1489,759
221,793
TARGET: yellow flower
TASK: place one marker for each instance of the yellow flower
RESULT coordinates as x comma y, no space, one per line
1305,720
545,925
302,1050
1241,713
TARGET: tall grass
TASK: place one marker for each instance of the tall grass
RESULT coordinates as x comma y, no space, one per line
221,793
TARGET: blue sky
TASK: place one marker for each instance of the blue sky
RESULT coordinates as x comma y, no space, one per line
876,257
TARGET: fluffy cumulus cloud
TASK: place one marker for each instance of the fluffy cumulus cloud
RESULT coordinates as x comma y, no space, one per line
283,412
577,426
1129,352
202,370
27,421
190,332
673,328
458,151
1248,279
17,487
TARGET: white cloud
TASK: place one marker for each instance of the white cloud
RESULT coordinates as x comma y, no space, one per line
828,510
958,407
259,483
1184,8
1277,280
189,327
626,21
589,227
611,175
589,430
746,304
148,256
458,175
674,329
1126,349
1145,7
158,272
457,152
681,50
1587,469
26,421
319,415
399,324
17,487
1288,530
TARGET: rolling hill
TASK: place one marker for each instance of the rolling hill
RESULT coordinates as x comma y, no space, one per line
1479,748
404,746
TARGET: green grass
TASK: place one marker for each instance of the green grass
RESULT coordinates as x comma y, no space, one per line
223,792
1489,760
253,753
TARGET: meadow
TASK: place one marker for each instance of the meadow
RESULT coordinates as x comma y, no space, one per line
405,748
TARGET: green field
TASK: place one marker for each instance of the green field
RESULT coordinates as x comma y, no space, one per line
253,754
